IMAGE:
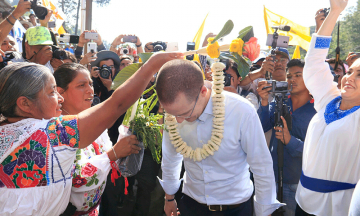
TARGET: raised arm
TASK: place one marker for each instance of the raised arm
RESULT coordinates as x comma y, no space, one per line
317,75
93,121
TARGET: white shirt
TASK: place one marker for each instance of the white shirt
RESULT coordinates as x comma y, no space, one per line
331,152
224,179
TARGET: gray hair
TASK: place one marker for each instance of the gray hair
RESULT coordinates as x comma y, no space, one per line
21,79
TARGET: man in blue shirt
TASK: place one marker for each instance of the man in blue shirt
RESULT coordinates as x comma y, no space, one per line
301,110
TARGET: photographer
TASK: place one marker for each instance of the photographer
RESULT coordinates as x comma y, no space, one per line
301,110
119,40
231,69
340,70
277,69
82,41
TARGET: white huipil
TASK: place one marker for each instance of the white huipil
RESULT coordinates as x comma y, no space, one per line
331,151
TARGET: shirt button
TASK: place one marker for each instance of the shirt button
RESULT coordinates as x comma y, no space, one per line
207,195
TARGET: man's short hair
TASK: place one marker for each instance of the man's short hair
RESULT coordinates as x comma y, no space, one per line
232,64
295,62
178,76
333,61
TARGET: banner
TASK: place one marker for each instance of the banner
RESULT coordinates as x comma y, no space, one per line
17,32
299,35
296,54
58,16
197,40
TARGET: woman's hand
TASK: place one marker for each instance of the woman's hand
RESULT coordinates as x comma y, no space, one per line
124,147
157,60
88,58
338,5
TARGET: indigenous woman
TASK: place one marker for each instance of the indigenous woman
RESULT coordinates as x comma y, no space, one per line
37,151
331,156
92,164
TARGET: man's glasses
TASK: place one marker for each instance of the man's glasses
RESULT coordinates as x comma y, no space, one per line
187,117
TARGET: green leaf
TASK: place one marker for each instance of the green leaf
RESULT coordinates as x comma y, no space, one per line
225,55
145,56
78,157
96,181
229,25
246,33
91,182
125,74
243,67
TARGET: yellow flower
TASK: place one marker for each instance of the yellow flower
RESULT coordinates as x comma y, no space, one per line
237,46
213,49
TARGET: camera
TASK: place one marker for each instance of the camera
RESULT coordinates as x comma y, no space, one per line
159,45
39,10
277,86
67,38
326,11
96,100
8,56
105,71
336,77
58,53
227,79
124,51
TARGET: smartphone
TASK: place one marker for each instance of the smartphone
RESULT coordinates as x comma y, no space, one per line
51,24
91,35
283,41
190,46
91,47
131,39
172,46
67,38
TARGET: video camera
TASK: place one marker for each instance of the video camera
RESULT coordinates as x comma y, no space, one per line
105,71
67,38
8,56
277,41
159,45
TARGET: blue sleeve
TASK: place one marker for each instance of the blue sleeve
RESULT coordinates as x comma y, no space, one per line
295,147
266,115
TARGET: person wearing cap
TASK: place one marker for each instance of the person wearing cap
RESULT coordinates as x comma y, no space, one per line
301,110
37,47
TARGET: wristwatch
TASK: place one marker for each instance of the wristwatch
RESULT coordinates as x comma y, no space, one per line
138,45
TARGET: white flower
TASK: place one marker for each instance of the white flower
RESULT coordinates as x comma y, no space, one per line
142,116
147,124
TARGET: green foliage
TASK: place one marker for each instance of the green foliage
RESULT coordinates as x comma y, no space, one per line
246,33
229,25
145,56
145,124
125,74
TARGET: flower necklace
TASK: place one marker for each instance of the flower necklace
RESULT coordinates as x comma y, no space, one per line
218,121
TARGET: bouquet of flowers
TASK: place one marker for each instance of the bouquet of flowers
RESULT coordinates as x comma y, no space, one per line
144,124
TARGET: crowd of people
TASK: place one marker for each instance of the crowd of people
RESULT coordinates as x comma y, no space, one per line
60,119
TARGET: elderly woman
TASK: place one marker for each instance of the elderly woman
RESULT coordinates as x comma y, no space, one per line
331,156
37,151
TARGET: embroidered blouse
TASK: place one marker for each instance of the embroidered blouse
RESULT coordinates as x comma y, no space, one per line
332,145
92,166
36,161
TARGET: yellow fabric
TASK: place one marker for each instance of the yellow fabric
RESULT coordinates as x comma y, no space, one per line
296,54
58,16
299,35
198,35
61,30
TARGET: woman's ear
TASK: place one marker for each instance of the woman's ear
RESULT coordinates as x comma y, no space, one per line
25,105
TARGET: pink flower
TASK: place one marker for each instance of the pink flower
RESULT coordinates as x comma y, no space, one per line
252,49
88,170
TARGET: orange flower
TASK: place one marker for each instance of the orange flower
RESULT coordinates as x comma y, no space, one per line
252,49
72,142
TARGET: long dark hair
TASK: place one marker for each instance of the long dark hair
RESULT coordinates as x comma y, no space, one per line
66,73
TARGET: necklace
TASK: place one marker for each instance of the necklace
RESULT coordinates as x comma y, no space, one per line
65,111
218,121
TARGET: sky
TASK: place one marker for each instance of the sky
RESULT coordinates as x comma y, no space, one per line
178,21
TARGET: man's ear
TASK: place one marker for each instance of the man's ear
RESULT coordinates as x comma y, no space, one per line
203,91
239,81
25,105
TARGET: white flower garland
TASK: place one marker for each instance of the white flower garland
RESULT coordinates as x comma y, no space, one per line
218,122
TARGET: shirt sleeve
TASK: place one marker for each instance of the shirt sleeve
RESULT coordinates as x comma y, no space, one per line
171,166
258,157
101,47
90,173
266,115
64,131
295,147
78,51
317,75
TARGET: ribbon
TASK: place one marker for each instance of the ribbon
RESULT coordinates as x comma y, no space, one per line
115,175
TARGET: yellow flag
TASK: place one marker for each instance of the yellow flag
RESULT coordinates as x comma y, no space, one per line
299,35
296,54
58,16
199,34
